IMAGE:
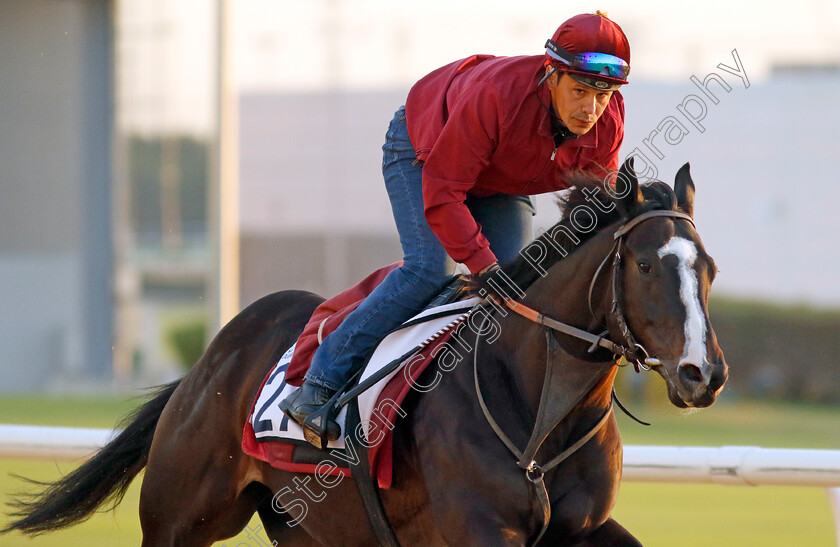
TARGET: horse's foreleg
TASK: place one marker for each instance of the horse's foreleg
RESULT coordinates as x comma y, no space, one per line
281,529
610,534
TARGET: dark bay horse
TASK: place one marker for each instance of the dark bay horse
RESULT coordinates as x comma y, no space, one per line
630,267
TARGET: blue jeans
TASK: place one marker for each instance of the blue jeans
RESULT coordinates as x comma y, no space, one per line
505,221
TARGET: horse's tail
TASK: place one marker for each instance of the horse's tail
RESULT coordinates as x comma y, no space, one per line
103,478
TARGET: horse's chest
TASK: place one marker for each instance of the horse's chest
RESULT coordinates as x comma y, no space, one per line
584,494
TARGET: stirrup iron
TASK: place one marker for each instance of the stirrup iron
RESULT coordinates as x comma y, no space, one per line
315,426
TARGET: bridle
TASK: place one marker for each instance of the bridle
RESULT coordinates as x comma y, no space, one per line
631,350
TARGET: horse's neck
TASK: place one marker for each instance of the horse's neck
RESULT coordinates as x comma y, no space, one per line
563,295
563,292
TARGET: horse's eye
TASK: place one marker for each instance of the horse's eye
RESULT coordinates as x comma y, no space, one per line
644,267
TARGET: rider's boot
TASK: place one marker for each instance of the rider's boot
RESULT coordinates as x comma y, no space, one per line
311,406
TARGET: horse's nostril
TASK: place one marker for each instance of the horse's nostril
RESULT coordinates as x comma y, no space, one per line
690,374
718,379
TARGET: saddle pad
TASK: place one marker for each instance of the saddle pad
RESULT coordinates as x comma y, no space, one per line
272,437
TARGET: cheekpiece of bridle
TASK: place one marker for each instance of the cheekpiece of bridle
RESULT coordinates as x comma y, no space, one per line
632,350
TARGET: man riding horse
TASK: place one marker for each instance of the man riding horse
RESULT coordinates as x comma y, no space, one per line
474,140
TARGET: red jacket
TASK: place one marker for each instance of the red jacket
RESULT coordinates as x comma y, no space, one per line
480,128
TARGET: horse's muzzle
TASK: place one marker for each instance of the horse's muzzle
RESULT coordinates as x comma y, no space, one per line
699,385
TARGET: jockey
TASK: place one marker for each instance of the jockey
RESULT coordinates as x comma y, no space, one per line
474,140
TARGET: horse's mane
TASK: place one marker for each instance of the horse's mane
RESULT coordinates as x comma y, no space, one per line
563,238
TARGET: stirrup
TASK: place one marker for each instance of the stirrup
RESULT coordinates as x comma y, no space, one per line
315,426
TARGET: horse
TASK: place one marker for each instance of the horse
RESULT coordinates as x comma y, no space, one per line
625,266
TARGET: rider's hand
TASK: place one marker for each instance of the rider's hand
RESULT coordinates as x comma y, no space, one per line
481,280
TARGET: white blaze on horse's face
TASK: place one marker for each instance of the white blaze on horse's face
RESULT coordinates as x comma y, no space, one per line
694,350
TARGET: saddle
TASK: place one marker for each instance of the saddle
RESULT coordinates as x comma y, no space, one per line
270,436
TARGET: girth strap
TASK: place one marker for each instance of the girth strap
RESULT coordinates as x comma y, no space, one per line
360,470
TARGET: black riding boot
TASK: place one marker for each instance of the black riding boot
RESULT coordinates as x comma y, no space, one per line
308,407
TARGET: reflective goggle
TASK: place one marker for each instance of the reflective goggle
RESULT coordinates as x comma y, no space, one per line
595,63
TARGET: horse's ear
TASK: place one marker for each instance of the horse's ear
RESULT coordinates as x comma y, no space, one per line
627,186
684,188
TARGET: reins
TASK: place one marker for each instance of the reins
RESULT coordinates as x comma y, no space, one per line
631,350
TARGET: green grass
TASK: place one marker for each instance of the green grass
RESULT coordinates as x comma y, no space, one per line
66,411
771,425
659,514
701,515
120,527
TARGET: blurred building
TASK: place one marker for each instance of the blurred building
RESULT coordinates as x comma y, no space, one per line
166,85
104,199
109,162
56,161
315,215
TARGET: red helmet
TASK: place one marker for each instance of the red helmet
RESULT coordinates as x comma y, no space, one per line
592,49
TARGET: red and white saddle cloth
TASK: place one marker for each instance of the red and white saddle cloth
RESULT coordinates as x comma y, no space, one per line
271,436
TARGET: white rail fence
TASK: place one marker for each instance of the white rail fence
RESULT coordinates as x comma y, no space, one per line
729,465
